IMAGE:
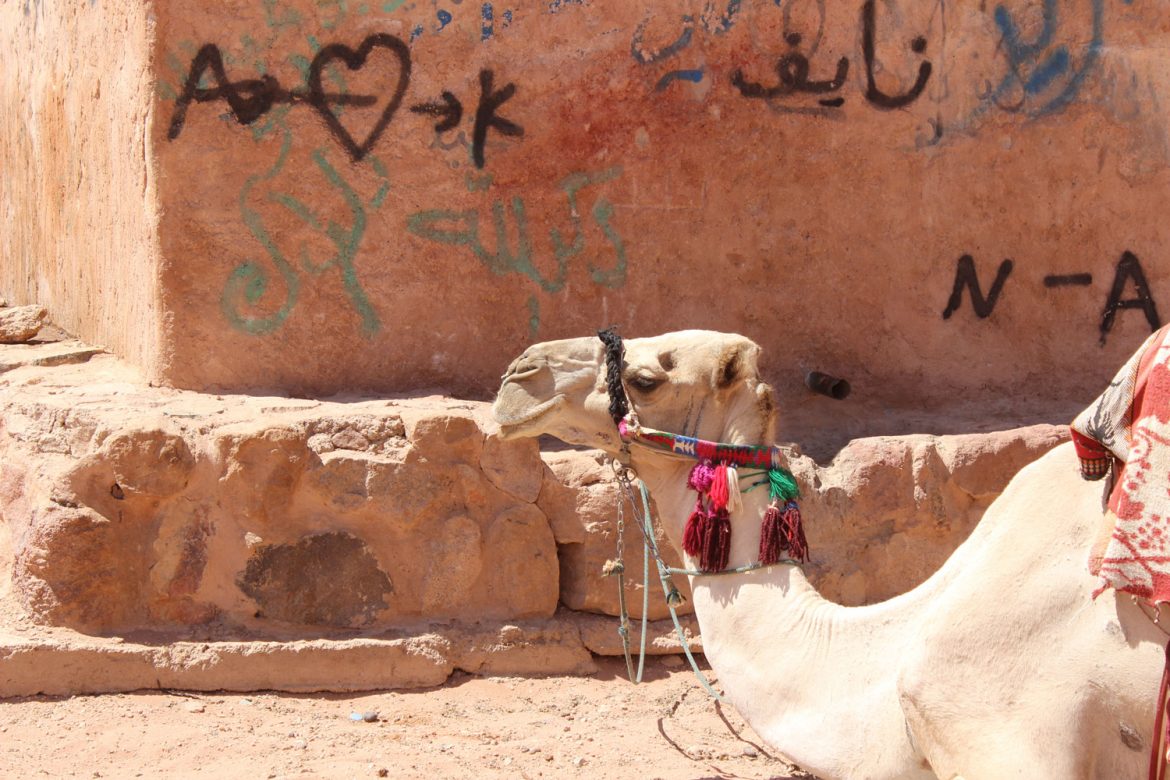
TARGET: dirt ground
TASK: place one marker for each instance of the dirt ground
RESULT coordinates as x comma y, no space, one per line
589,727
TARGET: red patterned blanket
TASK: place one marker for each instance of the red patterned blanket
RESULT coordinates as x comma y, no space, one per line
1125,434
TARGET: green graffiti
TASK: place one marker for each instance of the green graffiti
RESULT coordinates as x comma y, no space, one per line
347,244
477,183
602,214
290,17
340,9
613,277
462,228
250,279
533,316
249,282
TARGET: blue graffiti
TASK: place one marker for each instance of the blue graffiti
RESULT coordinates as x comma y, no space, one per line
488,14
722,23
714,22
1045,74
638,51
444,18
693,76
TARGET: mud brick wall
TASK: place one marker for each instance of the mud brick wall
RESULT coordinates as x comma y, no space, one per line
936,200
77,197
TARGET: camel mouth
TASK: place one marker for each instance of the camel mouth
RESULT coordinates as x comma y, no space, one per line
518,426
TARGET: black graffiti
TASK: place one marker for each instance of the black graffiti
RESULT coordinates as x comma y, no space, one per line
355,60
1128,278
1129,268
793,71
966,277
1068,280
251,99
485,115
872,93
450,109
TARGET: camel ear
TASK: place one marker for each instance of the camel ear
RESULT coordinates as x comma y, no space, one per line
766,403
736,362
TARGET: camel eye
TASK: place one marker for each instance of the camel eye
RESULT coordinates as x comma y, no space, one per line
643,383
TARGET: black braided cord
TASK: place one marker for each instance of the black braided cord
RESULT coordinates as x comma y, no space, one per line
619,406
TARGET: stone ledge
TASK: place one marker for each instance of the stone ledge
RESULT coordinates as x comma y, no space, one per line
54,661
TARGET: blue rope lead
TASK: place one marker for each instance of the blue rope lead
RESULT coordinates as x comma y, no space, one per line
664,576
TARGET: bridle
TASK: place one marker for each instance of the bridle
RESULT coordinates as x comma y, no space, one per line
765,461
715,478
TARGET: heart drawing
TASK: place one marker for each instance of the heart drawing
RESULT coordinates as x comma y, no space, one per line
355,60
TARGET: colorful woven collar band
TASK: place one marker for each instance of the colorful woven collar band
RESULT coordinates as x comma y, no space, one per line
716,481
752,456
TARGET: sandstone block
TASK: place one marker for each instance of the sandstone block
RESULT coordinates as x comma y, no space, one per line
889,511
554,647
327,579
583,503
600,635
21,323
513,466
259,515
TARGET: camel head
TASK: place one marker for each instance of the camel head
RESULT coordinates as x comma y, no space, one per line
698,383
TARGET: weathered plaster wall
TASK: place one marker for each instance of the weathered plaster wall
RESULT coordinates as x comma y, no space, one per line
821,175
76,199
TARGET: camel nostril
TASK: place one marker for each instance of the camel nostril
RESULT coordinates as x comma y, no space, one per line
523,366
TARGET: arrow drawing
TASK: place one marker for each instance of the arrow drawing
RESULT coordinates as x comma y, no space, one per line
450,108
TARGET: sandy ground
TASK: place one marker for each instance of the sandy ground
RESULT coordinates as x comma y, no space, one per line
589,727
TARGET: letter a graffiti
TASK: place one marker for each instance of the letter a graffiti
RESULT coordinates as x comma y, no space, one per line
1128,268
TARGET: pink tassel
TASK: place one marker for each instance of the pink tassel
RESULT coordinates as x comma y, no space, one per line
716,542
719,491
771,535
695,530
794,532
700,477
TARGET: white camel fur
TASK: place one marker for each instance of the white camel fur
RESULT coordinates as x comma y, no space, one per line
1000,665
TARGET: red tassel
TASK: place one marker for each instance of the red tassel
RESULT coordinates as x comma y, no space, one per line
794,532
771,535
695,530
719,491
716,542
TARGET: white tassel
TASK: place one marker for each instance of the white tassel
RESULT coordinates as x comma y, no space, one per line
734,499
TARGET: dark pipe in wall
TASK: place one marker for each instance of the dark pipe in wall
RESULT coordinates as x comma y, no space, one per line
825,384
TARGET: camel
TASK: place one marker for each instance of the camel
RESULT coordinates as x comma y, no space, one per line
1000,665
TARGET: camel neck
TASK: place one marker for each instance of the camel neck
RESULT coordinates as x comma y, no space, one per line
793,663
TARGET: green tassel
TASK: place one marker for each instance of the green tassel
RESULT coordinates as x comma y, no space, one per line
782,485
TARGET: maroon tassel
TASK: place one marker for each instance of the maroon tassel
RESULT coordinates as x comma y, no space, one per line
771,535
695,530
716,542
794,532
